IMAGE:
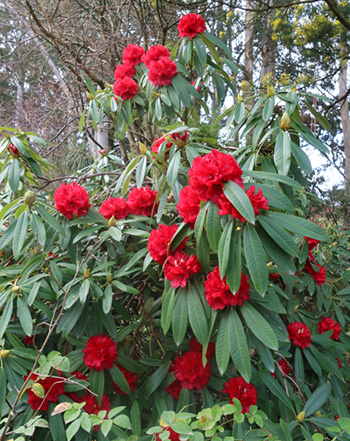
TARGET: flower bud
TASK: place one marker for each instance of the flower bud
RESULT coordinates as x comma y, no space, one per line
89,96
270,91
16,290
285,121
4,354
301,416
108,85
29,198
109,278
112,222
318,414
143,149
87,273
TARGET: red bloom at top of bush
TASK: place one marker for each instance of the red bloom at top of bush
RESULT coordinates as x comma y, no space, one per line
190,25
257,199
195,346
189,205
179,268
143,201
154,53
100,352
209,173
53,388
328,324
312,243
190,371
126,88
158,243
117,207
173,436
162,71
320,276
284,367
72,199
244,392
13,150
157,142
300,334
133,54
180,139
131,379
124,70
218,293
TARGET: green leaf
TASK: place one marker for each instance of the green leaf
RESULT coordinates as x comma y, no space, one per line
268,109
301,158
135,418
20,235
168,303
107,299
197,316
119,379
115,233
182,91
320,118
84,290
259,326
14,175
282,154
222,344
38,228
24,316
50,220
234,275
277,390
273,177
276,198
317,399
237,196
198,226
73,429
6,316
180,317
157,377
201,51
141,171
97,383
284,239
218,42
173,168
81,121
239,346
256,259
224,248
213,227
89,85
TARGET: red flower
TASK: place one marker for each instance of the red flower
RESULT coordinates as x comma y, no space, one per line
244,392
218,293
190,25
13,151
189,205
133,54
79,375
157,142
174,389
173,436
143,201
130,377
312,243
154,53
209,173
126,88
195,346
29,340
72,199
179,267
180,139
337,417
91,406
162,71
158,243
300,334
190,371
320,276
258,202
117,207
124,70
328,324
284,366
100,352
53,388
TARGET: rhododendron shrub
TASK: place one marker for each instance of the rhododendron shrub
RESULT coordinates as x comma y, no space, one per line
180,271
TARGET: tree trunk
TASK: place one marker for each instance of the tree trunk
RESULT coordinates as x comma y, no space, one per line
344,114
268,64
248,53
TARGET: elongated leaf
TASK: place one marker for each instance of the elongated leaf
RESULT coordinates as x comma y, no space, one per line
6,316
240,200
180,317
38,228
14,175
141,171
279,235
282,154
119,379
157,377
213,227
200,49
84,290
273,177
107,299
239,346
173,168
277,390
97,383
276,198
259,326
256,259
317,399
50,220
224,249
234,268
20,235
301,158
198,226
168,304
196,315
24,316
222,344
268,109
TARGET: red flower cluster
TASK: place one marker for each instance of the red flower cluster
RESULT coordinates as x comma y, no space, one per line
158,243
161,68
100,352
180,139
179,268
133,54
117,207
195,346
53,388
300,334
173,436
124,70
191,373
244,392
157,142
328,324
126,88
190,25
259,202
318,276
218,293
13,150
189,205
72,199
91,406
284,367
312,243
174,389
130,377
140,201
209,173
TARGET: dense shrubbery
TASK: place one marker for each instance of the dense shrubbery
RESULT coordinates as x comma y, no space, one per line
187,279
